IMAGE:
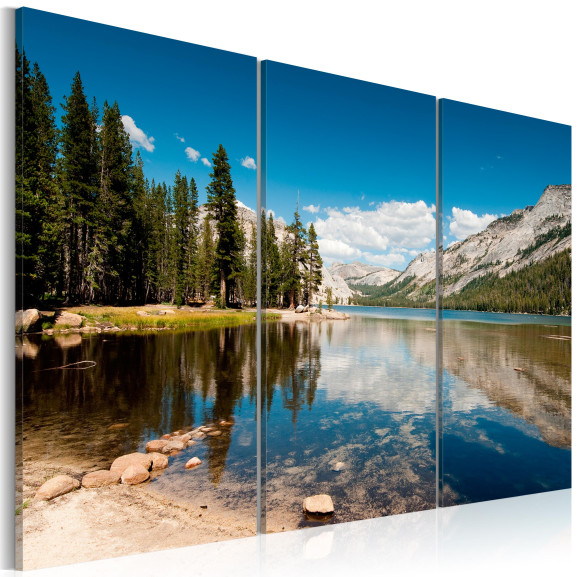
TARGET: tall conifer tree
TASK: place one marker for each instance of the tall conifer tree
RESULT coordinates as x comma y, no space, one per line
222,206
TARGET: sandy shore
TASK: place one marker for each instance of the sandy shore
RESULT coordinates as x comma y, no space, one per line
90,524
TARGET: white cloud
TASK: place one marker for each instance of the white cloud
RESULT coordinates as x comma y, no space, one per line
193,155
205,161
137,135
179,138
390,225
312,208
464,223
248,162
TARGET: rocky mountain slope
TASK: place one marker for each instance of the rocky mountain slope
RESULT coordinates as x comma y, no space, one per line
525,237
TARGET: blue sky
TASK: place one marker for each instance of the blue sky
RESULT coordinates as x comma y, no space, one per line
363,158
178,96
495,162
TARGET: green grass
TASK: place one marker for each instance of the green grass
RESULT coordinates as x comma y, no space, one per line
127,317
22,507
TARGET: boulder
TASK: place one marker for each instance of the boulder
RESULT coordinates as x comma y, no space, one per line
142,314
207,429
122,463
100,479
167,312
226,423
300,309
156,445
65,318
318,505
198,435
135,474
165,437
214,433
182,438
159,461
27,321
173,446
59,485
192,463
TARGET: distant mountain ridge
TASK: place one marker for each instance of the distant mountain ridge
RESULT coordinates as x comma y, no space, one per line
527,236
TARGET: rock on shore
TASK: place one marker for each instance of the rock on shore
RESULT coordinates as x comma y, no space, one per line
59,485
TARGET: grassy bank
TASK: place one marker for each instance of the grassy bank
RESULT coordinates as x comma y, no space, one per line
156,318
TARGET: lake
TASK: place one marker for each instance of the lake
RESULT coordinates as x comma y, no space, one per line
359,392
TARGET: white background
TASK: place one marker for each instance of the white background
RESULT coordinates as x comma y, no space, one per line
512,55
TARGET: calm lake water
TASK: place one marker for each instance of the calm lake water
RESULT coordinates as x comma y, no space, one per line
360,392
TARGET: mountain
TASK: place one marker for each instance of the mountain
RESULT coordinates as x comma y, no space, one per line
508,244
526,238
363,274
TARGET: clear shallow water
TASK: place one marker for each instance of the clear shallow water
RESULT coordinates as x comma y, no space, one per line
360,392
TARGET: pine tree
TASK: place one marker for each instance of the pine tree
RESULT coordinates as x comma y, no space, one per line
330,301
250,276
296,249
79,179
314,263
205,259
274,272
222,206
115,262
191,271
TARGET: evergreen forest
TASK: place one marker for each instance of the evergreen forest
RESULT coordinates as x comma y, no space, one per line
92,229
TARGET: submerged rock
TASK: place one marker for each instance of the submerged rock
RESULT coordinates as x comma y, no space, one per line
214,433
192,463
338,467
321,505
59,485
134,475
159,461
100,479
173,446
155,446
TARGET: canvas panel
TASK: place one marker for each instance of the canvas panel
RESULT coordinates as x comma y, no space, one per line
136,167
506,367
349,382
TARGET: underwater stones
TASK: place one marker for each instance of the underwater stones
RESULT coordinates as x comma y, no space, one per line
100,479
173,446
159,461
117,426
122,463
319,505
338,467
214,433
156,446
59,485
135,474
192,463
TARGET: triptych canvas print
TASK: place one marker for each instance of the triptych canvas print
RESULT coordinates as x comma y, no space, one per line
383,326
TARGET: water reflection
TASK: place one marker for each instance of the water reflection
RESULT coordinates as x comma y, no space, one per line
507,409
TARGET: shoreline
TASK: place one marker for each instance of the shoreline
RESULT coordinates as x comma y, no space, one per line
90,524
